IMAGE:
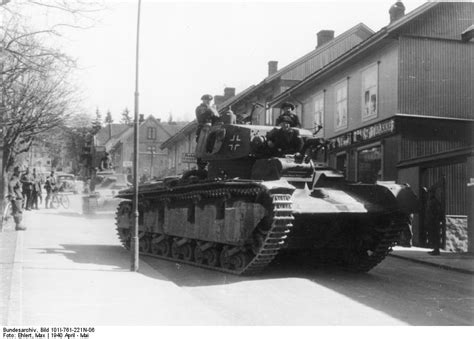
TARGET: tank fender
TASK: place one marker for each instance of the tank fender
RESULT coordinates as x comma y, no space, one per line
406,198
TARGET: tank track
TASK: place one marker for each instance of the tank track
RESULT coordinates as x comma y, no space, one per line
388,237
268,238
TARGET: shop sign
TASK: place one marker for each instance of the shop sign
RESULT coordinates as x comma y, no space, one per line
376,130
188,158
364,134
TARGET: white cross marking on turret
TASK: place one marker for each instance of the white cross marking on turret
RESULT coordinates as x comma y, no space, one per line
234,142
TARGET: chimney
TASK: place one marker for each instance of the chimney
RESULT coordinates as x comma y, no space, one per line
396,11
272,67
141,118
324,36
229,92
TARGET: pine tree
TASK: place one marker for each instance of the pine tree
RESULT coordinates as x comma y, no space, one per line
126,118
97,123
108,118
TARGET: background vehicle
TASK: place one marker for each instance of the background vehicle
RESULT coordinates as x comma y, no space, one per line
250,206
67,183
102,196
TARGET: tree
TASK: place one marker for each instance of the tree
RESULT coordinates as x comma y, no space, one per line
126,118
108,118
97,123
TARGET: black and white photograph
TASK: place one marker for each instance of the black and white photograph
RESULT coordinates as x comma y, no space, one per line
236,168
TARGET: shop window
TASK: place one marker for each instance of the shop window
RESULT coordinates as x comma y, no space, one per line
318,118
341,163
268,117
340,121
369,165
369,92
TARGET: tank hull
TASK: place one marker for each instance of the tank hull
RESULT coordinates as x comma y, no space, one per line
240,226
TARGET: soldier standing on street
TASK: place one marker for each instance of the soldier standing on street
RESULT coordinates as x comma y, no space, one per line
16,198
288,111
206,114
50,185
27,186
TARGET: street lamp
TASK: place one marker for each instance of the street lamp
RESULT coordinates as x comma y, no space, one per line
134,241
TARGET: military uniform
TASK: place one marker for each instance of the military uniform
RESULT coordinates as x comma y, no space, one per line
205,114
16,197
284,141
289,116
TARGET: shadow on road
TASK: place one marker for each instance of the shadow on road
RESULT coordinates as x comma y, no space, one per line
394,287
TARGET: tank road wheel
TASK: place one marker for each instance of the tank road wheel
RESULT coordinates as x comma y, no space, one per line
187,252
199,255
145,244
240,261
162,247
224,259
175,251
212,257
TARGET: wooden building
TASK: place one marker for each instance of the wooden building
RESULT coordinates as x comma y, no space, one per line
252,104
399,106
153,161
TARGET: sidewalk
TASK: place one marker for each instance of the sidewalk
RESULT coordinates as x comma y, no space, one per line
64,271
460,262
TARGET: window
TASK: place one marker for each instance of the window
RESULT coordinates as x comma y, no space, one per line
369,164
318,118
151,133
340,121
369,92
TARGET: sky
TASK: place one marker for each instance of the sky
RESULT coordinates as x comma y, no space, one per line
192,48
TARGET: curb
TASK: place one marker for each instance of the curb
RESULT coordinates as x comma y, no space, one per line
446,267
14,314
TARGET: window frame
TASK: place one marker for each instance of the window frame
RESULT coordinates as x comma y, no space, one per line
319,97
338,85
363,106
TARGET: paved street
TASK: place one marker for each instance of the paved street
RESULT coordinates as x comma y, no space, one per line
73,271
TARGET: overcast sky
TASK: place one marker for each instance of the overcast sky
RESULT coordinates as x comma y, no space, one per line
191,48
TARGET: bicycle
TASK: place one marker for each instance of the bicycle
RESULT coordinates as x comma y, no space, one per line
59,199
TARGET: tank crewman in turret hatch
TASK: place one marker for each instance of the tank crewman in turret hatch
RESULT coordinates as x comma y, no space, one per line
205,114
288,111
284,140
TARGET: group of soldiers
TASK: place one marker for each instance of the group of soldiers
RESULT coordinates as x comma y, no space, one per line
281,140
25,190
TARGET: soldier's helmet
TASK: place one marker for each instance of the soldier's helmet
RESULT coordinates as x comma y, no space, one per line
287,104
206,97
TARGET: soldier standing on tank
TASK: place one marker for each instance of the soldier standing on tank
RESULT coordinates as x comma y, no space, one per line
16,198
288,111
206,114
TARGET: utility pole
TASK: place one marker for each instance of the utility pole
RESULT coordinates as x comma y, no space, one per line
134,246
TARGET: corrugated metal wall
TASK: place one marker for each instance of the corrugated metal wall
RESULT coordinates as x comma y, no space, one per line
447,20
322,59
436,78
422,137
456,185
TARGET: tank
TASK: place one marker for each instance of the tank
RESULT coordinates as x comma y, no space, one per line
250,206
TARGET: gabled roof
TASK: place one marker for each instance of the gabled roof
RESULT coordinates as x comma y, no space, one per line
356,50
360,30
169,129
109,131
188,128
